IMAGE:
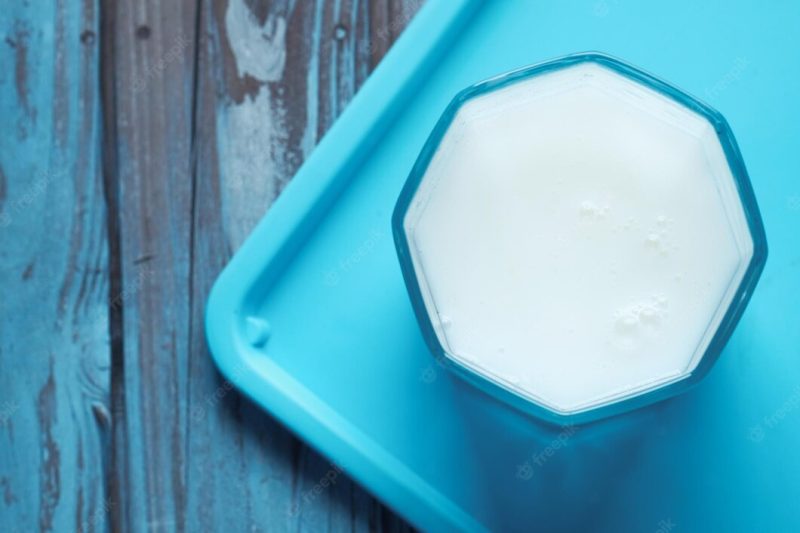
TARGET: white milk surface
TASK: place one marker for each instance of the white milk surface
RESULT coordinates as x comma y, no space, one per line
578,237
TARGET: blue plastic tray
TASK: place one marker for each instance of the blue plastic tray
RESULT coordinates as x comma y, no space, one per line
312,320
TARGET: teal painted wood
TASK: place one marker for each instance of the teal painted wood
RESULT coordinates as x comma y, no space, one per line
215,105
139,145
256,124
149,114
54,351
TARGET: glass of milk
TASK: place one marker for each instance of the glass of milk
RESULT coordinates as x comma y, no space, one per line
579,238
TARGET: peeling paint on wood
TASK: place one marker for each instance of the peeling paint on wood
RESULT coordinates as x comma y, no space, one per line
140,145
255,126
53,258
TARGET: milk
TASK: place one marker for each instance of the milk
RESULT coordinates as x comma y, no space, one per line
577,238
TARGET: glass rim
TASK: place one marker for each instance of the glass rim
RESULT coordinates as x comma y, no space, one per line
729,319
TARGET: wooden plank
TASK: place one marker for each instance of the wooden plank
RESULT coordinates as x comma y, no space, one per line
272,80
54,356
206,137
148,77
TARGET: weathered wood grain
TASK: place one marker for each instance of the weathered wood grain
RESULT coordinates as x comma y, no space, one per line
257,122
215,107
54,354
272,80
150,48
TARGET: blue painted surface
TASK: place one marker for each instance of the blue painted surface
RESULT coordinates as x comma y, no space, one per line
346,367
115,206
54,408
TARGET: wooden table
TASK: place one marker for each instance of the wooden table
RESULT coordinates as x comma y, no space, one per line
141,141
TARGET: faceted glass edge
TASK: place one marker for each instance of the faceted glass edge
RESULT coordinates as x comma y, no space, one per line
728,321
